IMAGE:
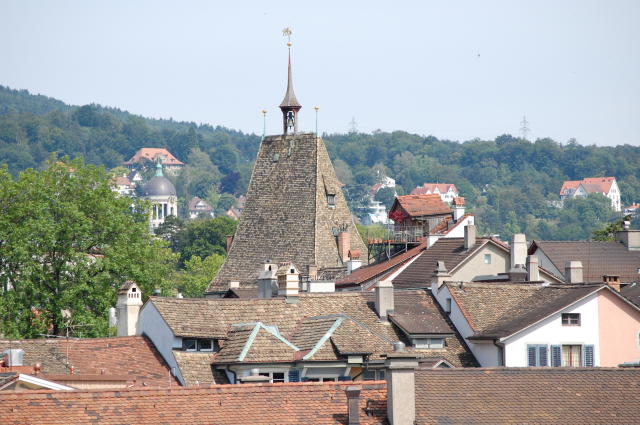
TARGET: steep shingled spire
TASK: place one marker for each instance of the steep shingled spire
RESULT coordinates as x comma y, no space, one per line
289,105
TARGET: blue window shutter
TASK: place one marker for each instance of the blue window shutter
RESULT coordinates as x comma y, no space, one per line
531,355
344,378
542,355
556,355
294,375
588,355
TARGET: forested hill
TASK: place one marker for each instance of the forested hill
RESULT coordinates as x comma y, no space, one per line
509,182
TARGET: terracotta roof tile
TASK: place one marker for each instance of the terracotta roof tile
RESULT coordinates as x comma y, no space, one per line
568,396
196,368
291,403
420,205
151,154
133,356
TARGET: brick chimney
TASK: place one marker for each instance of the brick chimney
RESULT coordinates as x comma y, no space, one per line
385,303
613,281
533,271
288,282
229,242
128,308
344,245
401,385
630,238
518,249
573,272
469,236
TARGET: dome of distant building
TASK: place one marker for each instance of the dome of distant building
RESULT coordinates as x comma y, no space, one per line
159,186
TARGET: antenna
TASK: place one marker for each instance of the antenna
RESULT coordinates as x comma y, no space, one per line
353,126
524,127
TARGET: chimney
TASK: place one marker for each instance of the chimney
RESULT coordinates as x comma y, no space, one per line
267,280
440,275
401,385
458,208
353,403
518,249
431,239
613,281
288,278
354,260
312,271
254,378
517,273
573,272
469,236
384,299
630,238
229,242
344,245
533,272
128,308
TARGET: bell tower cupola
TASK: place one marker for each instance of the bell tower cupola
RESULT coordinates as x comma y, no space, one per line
289,105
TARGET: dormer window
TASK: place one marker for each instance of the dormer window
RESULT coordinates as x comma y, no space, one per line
193,344
570,319
428,343
331,200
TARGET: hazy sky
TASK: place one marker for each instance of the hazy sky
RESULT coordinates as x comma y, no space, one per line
452,69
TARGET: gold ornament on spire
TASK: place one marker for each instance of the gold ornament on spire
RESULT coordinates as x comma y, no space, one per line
287,33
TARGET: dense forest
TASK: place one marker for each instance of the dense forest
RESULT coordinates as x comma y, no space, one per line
509,183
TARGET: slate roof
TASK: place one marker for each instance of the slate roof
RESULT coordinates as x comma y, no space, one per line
496,310
133,356
367,273
286,216
497,396
291,403
450,250
303,324
421,205
598,258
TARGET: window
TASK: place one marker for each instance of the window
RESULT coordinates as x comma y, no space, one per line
274,376
537,355
428,342
189,344
447,305
331,200
570,319
487,258
205,345
572,355
374,375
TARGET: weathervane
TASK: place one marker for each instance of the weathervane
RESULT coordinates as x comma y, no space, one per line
289,105
287,33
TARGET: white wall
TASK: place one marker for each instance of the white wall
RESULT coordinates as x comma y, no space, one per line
458,231
487,353
551,332
156,329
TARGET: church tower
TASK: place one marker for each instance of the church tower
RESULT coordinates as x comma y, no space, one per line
295,210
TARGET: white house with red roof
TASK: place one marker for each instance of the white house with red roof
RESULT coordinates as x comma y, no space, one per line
169,162
446,191
581,188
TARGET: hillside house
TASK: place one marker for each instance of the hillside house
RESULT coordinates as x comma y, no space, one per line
447,192
198,207
606,186
146,157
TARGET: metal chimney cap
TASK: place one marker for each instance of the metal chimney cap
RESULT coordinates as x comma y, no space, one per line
398,346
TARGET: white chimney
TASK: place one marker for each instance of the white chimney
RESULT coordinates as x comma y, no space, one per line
533,271
385,303
629,238
440,275
401,383
288,282
573,272
458,208
354,261
128,308
469,236
113,318
518,249
268,281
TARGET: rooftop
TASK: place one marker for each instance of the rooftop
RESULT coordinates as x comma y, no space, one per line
420,205
151,154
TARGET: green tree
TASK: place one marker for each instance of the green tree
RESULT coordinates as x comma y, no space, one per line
387,195
67,242
608,232
205,237
197,273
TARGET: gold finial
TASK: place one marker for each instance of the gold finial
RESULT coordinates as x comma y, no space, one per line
317,108
287,33
264,112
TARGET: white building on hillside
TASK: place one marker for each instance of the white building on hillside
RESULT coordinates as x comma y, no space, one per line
581,188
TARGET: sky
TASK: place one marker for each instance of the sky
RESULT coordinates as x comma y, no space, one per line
453,69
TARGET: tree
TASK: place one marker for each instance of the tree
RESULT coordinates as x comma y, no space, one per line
387,195
205,237
197,274
67,243
608,232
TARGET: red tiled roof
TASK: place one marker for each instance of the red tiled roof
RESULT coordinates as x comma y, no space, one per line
567,396
430,187
151,154
134,356
364,274
591,184
292,403
420,205
123,181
